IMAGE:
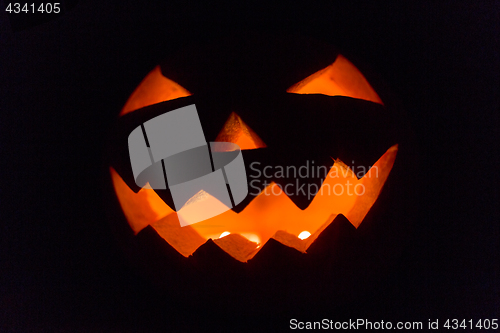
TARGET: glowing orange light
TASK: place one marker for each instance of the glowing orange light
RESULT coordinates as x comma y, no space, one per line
341,78
142,208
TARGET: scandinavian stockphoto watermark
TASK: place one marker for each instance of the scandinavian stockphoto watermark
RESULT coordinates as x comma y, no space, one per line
344,179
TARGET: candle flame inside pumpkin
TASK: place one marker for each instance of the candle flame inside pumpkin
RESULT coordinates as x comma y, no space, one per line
304,234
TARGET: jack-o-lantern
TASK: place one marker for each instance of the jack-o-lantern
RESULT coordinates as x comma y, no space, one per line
319,145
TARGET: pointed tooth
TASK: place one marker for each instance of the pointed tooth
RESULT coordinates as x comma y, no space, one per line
211,256
276,255
337,241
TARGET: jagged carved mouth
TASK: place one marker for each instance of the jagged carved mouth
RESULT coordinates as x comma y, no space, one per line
272,213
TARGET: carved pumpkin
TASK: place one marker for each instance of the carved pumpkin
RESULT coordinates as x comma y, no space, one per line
323,118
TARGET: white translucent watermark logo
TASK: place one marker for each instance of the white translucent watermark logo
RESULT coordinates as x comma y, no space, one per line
346,179
170,152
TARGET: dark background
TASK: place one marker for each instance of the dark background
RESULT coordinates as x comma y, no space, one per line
63,81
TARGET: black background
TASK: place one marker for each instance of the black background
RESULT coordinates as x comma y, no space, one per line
62,83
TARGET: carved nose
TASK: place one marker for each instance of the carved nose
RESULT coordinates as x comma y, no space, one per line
236,131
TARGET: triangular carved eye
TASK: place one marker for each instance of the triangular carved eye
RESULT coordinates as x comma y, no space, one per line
341,78
155,88
236,131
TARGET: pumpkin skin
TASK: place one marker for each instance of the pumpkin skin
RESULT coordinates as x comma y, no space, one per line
253,77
